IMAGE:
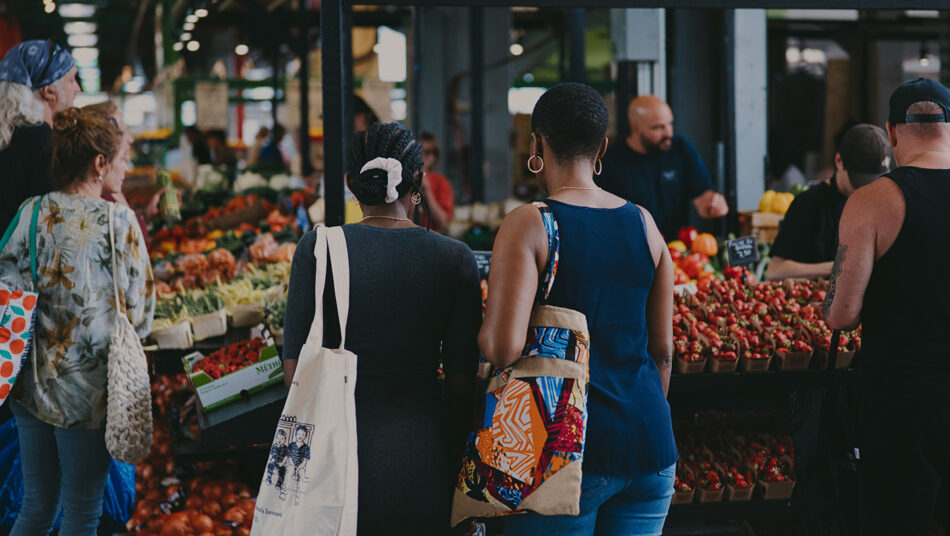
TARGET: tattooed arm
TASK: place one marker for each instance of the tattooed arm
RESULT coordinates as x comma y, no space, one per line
866,231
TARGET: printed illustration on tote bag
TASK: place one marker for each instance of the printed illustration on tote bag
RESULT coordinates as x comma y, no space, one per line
289,454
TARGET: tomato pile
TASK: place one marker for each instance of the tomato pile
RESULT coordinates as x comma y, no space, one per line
231,358
727,319
208,499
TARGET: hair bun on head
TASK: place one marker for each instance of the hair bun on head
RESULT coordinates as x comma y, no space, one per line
69,120
370,187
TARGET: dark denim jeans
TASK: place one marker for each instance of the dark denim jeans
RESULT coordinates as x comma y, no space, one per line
59,463
609,506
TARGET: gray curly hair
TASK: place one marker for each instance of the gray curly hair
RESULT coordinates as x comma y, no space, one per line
18,107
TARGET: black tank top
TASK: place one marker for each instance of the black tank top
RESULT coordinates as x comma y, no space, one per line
906,312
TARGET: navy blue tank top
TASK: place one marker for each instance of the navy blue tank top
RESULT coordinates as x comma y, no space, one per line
606,271
906,307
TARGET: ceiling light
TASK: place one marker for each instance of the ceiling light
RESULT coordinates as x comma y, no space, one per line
241,50
193,46
177,47
188,26
85,56
76,11
82,40
185,36
201,12
191,18
49,8
79,27
516,49
924,60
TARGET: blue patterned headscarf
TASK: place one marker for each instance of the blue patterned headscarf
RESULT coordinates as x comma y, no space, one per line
35,63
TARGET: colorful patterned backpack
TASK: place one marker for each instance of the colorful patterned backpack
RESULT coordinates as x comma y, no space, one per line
17,311
527,453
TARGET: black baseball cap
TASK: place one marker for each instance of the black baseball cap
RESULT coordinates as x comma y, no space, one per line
920,90
866,153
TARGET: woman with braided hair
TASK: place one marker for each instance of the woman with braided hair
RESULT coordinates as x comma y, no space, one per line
415,303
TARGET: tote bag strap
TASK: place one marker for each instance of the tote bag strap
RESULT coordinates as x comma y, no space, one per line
32,246
339,259
315,337
115,269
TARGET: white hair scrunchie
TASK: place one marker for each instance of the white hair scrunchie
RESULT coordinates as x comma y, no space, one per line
393,169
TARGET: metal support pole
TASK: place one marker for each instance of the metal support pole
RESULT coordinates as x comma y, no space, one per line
476,154
418,45
275,81
331,36
624,95
346,43
577,22
306,166
730,222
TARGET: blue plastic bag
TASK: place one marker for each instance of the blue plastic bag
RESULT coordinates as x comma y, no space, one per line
118,496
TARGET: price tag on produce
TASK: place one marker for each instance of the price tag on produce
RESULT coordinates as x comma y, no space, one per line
742,251
483,260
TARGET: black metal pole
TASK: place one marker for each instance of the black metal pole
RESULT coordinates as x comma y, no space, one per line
577,23
624,94
730,222
306,166
477,67
418,40
346,43
275,82
331,36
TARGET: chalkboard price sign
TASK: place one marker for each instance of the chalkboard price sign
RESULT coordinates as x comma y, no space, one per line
483,260
742,251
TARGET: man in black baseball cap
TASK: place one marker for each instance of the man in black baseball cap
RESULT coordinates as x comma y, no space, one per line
902,302
806,242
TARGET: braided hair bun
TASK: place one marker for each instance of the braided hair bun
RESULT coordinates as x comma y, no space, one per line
383,140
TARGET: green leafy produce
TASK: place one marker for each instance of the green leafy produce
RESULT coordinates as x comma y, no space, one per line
199,303
275,312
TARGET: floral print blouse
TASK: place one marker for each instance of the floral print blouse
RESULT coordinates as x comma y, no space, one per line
64,381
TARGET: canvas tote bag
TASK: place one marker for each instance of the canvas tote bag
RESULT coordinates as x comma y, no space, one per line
17,313
310,484
526,454
129,400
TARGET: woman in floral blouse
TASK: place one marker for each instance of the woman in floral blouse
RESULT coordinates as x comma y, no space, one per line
59,399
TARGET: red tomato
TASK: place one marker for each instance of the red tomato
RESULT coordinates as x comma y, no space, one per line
687,235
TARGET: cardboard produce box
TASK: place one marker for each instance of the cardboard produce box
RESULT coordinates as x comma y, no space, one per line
690,367
735,494
210,325
755,365
722,365
246,315
213,394
177,337
683,497
775,490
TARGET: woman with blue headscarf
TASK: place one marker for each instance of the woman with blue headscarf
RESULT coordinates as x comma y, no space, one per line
37,79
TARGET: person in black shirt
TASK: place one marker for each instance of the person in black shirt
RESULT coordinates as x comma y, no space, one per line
37,79
659,171
808,236
889,276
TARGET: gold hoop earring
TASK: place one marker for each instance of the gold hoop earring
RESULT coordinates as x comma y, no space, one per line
598,167
540,159
416,198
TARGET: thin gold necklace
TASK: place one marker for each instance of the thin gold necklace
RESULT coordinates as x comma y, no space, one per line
576,188
386,217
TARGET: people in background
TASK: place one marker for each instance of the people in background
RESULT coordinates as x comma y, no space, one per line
435,186
415,302
658,170
221,154
808,235
783,173
363,115
271,154
60,403
37,79
615,269
199,146
880,281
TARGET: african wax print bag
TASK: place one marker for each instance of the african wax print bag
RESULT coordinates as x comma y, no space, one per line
527,453
17,313
311,480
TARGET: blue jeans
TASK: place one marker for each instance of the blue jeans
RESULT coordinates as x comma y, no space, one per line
609,506
59,463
